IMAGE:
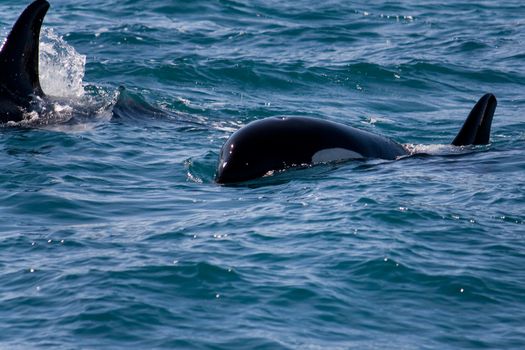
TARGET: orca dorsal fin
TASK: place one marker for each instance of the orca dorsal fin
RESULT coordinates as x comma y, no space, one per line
19,54
476,129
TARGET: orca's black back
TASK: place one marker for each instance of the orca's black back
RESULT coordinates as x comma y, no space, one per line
19,58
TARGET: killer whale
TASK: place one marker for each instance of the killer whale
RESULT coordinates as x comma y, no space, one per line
277,143
19,79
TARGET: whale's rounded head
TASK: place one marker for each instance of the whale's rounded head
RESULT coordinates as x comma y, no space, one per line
243,157
235,166
259,148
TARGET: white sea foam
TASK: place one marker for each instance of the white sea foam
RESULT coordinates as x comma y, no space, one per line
61,68
434,149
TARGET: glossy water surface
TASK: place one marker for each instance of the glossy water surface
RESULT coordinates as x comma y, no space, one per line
114,234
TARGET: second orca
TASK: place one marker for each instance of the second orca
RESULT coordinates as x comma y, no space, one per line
273,144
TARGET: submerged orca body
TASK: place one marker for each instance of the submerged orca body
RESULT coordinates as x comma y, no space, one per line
273,144
19,82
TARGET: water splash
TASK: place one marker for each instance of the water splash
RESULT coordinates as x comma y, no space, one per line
70,105
61,68
437,149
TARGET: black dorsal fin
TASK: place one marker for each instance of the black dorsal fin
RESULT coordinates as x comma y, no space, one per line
476,129
19,55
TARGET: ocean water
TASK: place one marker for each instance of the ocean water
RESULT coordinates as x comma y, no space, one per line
113,233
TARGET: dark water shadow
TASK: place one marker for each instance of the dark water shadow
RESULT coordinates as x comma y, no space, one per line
132,107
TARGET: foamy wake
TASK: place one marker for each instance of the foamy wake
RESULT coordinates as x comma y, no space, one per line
436,149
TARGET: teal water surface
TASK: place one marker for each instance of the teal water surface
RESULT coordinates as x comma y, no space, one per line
114,234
